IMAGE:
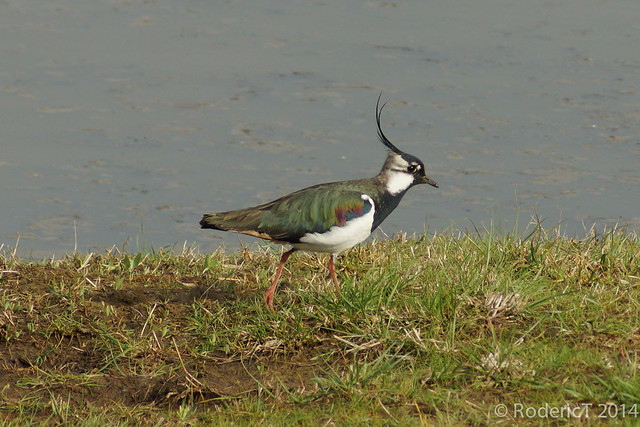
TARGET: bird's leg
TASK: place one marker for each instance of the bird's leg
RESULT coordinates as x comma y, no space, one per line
272,289
332,270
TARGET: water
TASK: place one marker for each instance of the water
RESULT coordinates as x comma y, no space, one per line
122,122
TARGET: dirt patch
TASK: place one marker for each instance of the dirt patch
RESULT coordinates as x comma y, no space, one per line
71,332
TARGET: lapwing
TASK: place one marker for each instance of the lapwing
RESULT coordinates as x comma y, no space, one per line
331,217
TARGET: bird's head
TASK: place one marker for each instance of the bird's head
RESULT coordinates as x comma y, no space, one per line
401,170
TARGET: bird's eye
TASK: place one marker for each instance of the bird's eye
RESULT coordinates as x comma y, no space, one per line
412,168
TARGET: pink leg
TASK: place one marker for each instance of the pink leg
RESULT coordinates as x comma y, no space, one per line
272,289
332,270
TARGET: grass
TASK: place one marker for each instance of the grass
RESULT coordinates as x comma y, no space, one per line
435,331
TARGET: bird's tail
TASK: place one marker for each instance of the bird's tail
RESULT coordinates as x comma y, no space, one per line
239,220
244,221
212,221
228,221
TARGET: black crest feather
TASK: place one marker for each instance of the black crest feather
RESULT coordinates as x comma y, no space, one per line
381,134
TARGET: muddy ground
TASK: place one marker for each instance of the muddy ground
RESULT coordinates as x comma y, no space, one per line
85,335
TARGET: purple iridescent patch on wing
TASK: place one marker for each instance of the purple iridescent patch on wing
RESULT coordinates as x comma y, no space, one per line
349,212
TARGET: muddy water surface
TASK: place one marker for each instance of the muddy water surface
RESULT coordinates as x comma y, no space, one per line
122,122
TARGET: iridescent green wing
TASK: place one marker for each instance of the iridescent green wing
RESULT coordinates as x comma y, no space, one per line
311,210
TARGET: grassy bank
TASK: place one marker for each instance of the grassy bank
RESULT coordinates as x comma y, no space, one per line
442,330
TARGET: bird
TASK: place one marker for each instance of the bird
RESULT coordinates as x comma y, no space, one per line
331,217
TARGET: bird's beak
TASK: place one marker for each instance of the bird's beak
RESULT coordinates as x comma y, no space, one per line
427,180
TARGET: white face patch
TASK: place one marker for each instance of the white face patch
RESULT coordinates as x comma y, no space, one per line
397,182
340,238
398,179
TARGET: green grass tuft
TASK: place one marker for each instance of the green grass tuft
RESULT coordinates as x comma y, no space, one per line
435,330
